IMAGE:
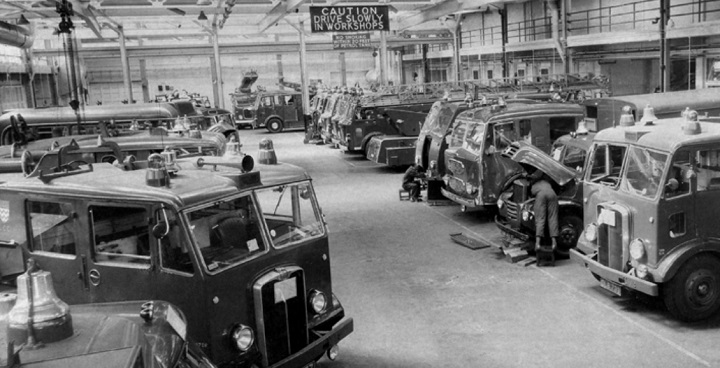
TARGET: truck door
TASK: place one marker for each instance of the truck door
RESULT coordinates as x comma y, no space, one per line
708,191
119,260
495,167
289,108
56,243
266,107
677,213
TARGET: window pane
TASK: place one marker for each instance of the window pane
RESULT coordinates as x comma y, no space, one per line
120,234
290,213
174,253
52,227
227,232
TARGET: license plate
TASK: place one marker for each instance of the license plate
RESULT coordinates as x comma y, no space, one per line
611,287
607,217
285,290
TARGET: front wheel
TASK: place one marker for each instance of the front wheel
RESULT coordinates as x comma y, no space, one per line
274,125
694,293
570,227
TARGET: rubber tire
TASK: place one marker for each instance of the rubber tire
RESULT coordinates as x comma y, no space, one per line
274,125
570,226
681,295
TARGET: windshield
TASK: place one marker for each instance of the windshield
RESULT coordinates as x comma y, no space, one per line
644,172
605,164
458,133
570,156
475,138
291,214
330,106
227,232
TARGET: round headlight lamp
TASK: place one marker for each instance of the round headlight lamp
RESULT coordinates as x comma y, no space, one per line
318,301
243,337
469,189
591,232
637,249
526,215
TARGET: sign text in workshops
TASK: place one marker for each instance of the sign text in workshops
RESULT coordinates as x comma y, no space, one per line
349,18
352,41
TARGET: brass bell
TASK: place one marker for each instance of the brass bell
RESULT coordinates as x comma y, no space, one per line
38,316
648,117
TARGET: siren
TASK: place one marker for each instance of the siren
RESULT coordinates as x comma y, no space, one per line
157,174
648,117
266,154
38,316
627,119
691,126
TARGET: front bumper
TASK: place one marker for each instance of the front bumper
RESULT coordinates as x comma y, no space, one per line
318,347
505,227
469,203
614,276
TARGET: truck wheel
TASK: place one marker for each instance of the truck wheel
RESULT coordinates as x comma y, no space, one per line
694,293
366,140
570,227
274,125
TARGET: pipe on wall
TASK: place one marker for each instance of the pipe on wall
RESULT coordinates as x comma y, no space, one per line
14,35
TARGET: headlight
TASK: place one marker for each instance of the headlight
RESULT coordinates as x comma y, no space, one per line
641,271
526,215
637,249
591,232
243,336
500,203
318,301
469,188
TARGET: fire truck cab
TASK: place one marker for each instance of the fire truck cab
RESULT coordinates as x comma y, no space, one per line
244,254
651,196
476,171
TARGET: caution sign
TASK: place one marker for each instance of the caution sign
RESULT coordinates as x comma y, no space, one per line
349,18
352,41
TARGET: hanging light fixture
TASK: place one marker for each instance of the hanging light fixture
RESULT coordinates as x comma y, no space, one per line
23,20
202,16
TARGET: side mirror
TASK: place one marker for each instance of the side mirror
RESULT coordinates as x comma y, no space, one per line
490,150
672,185
160,230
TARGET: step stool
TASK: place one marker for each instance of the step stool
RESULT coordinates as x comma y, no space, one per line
545,256
403,194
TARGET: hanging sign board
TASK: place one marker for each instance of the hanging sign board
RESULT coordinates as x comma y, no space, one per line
349,18
351,41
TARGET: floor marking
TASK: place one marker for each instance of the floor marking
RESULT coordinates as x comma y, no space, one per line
593,300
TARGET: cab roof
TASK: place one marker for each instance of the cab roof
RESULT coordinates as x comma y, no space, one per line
190,186
665,134
486,113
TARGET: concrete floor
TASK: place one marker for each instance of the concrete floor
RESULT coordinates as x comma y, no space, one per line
420,300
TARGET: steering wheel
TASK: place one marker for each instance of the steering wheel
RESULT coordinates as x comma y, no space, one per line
27,163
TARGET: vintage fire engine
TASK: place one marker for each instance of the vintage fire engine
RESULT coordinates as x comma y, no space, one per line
110,148
516,215
40,330
244,253
476,172
650,196
275,110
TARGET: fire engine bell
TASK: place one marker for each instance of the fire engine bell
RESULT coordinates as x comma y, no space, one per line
38,316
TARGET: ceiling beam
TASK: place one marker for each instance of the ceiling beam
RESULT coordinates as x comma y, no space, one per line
278,12
112,51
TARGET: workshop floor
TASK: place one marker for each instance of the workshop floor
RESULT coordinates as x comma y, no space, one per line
418,299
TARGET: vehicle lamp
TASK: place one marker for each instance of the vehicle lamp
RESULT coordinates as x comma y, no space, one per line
641,271
333,352
637,249
527,215
469,188
317,301
591,232
500,203
243,336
